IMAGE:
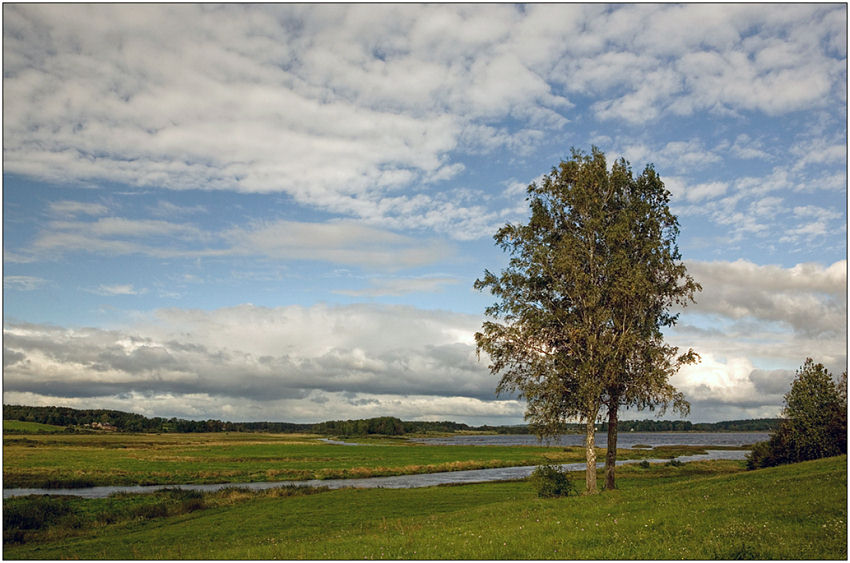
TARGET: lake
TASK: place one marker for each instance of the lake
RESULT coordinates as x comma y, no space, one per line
624,439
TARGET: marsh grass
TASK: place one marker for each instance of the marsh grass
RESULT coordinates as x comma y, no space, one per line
701,510
39,461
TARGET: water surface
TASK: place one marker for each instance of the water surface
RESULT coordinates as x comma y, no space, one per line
392,482
624,439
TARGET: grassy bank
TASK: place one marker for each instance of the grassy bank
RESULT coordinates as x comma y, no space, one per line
68,460
702,510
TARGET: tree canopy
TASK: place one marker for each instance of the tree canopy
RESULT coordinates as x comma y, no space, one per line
814,423
592,275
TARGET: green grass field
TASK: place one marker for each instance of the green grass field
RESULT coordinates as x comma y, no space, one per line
20,427
69,460
703,510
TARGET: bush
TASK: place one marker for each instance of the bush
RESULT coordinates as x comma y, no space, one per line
644,464
815,423
551,481
34,512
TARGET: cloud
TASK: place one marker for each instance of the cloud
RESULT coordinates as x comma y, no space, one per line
74,208
23,283
341,106
809,298
256,354
118,289
380,287
753,326
342,242
314,363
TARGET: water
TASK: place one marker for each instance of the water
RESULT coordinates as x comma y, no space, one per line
624,439
392,482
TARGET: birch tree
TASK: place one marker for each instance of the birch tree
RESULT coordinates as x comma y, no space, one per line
576,326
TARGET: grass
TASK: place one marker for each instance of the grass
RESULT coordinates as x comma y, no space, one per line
703,510
22,427
68,460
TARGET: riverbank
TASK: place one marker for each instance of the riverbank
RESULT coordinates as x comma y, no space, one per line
389,482
700,510
73,461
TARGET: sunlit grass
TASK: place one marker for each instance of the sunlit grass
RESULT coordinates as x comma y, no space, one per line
705,510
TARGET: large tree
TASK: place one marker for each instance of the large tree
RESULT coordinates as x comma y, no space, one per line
576,329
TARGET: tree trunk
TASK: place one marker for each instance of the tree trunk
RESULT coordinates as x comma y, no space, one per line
611,455
590,452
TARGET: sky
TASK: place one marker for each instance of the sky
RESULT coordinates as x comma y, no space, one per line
277,212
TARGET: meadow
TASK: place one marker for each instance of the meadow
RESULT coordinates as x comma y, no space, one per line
81,460
699,510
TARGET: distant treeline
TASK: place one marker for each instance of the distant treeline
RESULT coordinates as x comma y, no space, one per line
750,425
79,420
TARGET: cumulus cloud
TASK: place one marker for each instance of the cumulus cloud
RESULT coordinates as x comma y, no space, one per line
753,326
809,298
251,354
341,106
317,362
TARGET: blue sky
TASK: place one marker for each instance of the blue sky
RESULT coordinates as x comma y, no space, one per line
277,212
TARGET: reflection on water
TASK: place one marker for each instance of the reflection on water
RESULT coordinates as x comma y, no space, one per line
393,482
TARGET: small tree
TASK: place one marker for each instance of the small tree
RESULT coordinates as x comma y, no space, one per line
583,299
814,421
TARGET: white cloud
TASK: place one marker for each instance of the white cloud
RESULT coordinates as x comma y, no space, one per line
364,360
23,283
810,298
379,287
405,357
118,289
340,106
341,242
74,208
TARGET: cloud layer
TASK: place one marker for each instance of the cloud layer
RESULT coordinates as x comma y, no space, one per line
343,106
363,360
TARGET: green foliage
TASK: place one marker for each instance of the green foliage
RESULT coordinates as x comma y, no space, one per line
19,419
814,423
39,512
591,279
552,481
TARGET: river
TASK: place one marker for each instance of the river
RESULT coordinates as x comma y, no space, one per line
454,477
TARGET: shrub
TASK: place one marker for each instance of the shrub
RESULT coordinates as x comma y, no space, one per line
34,512
552,481
675,463
814,423
644,464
